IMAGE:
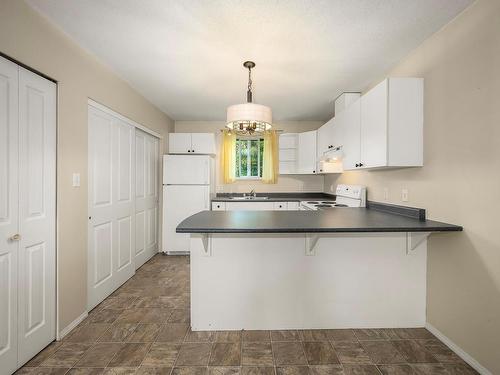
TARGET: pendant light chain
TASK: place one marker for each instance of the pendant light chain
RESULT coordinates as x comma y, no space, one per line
249,91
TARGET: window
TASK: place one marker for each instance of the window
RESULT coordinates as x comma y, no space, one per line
249,155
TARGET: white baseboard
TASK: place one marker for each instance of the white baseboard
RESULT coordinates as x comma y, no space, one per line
458,350
71,326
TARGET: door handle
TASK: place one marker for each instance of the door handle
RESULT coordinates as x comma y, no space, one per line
15,237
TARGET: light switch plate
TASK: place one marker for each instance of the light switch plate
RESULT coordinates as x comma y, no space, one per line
404,195
76,179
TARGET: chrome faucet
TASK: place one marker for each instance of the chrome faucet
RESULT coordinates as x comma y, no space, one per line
251,194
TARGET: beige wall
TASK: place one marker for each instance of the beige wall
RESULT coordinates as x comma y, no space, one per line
30,39
285,183
460,182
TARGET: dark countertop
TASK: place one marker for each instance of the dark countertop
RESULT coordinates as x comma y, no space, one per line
337,220
274,197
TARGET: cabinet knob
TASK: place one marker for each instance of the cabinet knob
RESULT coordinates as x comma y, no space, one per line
314,171
321,170
192,150
360,164
189,150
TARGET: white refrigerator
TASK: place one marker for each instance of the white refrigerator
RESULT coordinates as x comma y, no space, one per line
188,184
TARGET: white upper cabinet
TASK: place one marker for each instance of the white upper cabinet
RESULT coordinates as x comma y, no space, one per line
297,153
307,152
326,137
349,122
191,143
390,130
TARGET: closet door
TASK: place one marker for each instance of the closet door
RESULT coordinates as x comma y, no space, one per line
146,197
8,214
37,213
111,241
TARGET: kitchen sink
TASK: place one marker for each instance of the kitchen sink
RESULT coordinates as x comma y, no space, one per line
248,198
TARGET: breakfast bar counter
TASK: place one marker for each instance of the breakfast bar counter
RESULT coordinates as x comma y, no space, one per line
338,268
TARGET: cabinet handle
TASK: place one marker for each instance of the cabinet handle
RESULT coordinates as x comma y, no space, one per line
360,164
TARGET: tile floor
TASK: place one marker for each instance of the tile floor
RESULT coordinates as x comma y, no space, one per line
143,328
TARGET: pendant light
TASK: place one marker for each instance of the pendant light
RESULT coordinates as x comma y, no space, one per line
249,118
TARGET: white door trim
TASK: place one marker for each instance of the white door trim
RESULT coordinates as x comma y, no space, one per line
111,112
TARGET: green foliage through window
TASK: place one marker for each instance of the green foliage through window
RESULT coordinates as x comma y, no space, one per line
249,155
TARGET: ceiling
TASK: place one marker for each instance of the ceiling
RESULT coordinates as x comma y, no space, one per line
186,56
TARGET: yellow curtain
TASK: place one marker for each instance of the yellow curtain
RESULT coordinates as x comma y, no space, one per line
228,157
270,161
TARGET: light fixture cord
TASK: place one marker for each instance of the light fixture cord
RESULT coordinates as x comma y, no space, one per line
249,92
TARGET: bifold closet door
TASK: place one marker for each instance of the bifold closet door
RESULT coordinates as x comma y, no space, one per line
146,196
111,235
37,213
27,214
9,222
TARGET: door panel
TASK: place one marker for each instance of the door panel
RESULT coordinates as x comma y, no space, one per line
184,170
111,238
203,143
349,121
307,152
176,209
37,202
146,207
374,126
179,143
8,214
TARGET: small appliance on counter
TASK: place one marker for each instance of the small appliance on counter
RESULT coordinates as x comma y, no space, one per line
346,196
188,185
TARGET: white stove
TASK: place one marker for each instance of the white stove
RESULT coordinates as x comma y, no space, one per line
346,196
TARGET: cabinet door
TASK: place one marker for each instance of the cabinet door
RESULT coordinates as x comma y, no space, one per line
218,206
203,143
280,206
37,214
349,123
324,139
374,127
249,206
307,152
179,143
8,214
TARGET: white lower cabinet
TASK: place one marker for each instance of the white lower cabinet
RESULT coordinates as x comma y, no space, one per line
218,206
255,206
27,215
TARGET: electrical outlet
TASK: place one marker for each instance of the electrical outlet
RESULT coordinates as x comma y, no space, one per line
404,195
386,194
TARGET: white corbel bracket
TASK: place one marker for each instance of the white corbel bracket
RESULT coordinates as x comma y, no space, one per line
206,242
413,239
310,243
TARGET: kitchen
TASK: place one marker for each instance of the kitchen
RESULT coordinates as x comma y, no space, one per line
316,198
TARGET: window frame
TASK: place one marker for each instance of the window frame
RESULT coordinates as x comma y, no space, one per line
248,139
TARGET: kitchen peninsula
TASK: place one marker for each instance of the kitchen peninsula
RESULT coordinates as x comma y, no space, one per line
338,268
